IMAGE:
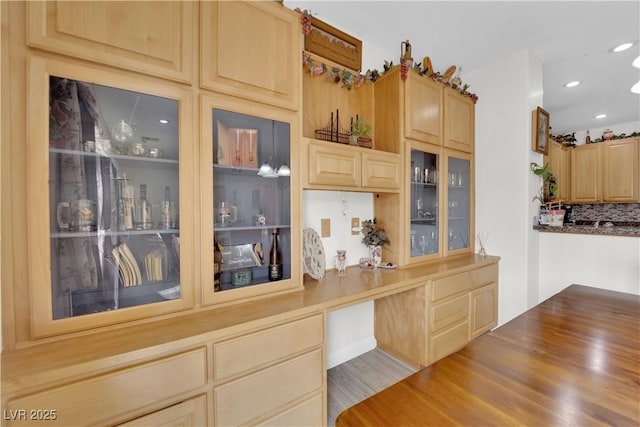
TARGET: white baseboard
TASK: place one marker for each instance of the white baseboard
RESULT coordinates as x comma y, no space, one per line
355,349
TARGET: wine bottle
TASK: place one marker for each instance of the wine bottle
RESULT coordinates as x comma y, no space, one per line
275,257
217,266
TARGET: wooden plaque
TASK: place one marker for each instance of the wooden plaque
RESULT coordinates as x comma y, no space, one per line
334,45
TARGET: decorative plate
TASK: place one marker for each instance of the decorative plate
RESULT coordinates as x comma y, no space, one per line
313,253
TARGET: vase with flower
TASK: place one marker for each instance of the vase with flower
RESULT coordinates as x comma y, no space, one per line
374,237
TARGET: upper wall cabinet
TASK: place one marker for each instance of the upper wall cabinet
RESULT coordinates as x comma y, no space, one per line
621,170
606,172
249,199
459,121
108,192
154,38
423,109
251,50
560,161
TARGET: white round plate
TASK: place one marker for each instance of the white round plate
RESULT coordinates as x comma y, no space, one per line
313,253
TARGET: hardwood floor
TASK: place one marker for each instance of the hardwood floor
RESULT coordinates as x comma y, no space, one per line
359,378
573,360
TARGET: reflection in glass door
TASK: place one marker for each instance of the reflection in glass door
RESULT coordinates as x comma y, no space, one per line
251,199
458,203
113,197
423,239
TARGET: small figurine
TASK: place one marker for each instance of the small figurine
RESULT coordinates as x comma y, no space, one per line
587,139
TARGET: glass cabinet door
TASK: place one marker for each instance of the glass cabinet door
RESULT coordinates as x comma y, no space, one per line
424,204
251,200
459,203
114,198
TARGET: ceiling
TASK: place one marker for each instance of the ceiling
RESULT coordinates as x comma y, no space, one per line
573,40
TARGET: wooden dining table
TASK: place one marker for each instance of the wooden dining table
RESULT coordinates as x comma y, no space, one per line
572,360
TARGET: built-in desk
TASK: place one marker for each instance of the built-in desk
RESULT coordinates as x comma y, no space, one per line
257,362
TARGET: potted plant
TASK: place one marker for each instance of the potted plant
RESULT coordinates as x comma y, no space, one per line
374,237
548,191
358,129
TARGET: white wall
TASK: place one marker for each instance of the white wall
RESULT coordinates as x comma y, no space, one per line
596,133
349,330
609,262
508,91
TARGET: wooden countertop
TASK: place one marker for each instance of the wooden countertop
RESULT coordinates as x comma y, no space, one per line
108,349
570,361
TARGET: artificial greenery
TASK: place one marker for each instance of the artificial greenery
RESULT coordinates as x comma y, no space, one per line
359,128
549,187
372,235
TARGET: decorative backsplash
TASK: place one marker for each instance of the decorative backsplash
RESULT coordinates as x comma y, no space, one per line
607,212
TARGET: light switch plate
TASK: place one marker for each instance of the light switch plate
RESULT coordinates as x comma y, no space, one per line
325,227
355,226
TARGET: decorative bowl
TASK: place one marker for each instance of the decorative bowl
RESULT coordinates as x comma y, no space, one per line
367,264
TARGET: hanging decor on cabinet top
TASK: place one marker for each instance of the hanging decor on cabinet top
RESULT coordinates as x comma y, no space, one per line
352,79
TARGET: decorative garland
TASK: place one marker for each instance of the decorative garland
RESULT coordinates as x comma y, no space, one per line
351,80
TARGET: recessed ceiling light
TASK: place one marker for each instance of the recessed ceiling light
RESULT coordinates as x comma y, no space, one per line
572,84
636,88
636,62
164,121
601,116
623,46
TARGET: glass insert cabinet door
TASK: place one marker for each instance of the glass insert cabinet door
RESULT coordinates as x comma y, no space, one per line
251,200
458,203
424,204
113,219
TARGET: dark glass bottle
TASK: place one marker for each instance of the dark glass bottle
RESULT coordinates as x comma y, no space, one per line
275,257
217,266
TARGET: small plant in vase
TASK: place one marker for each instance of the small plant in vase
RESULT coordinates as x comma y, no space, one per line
374,237
358,129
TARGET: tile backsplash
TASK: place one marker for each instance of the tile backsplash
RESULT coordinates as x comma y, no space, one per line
607,212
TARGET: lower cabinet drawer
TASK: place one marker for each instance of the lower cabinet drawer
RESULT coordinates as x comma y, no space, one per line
484,276
98,400
190,413
257,394
307,413
449,313
448,341
449,286
265,347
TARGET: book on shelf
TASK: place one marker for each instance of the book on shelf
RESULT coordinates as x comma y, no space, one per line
127,264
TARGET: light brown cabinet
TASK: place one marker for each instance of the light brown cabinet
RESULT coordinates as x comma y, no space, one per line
433,127
586,174
428,323
77,190
331,166
423,108
131,35
459,121
621,170
606,172
559,159
251,50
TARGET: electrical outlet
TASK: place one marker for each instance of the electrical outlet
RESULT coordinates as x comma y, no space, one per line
325,227
355,226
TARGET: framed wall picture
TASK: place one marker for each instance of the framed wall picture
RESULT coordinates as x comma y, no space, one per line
540,134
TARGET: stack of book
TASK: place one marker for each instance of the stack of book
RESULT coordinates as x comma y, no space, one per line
127,265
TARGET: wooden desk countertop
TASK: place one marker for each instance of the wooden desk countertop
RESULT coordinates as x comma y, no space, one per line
118,346
573,360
